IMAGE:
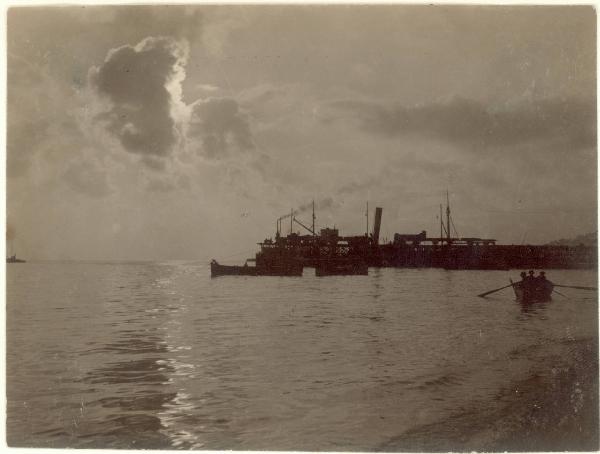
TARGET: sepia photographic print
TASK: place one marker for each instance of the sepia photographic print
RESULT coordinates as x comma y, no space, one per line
302,227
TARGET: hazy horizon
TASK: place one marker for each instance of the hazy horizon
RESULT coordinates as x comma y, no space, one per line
184,132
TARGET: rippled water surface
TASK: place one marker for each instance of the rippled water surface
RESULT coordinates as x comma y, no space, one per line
158,355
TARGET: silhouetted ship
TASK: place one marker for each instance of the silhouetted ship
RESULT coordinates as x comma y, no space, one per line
332,254
14,259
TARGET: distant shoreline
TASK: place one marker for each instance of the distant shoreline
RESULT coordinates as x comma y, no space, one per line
554,409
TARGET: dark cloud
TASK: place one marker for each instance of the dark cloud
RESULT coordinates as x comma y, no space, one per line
220,124
135,80
471,123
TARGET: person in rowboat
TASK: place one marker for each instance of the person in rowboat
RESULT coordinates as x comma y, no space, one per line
543,286
539,279
521,283
528,285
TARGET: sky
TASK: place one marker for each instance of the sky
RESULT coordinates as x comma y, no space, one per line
184,132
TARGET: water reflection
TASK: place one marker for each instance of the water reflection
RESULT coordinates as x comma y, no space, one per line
533,308
133,342
377,282
135,366
134,389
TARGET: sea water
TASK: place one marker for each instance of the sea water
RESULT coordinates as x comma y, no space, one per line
159,355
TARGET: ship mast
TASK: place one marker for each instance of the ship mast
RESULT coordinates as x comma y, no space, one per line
367,215
313,217
448,216
441,226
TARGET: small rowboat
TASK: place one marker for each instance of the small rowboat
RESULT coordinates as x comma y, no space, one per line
535,292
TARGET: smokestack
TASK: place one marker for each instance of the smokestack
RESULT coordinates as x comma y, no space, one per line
377,226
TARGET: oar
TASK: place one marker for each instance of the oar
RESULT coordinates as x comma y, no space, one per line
574,286
483,295
561,294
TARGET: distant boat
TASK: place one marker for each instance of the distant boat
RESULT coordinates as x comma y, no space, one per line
14,259
536,293
287,267
216,269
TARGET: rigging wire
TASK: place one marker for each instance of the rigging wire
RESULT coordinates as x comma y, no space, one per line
454,227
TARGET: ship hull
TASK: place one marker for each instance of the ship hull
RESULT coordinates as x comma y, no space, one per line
284,270
341,268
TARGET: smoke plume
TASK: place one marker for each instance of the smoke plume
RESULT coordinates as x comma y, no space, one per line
320,205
